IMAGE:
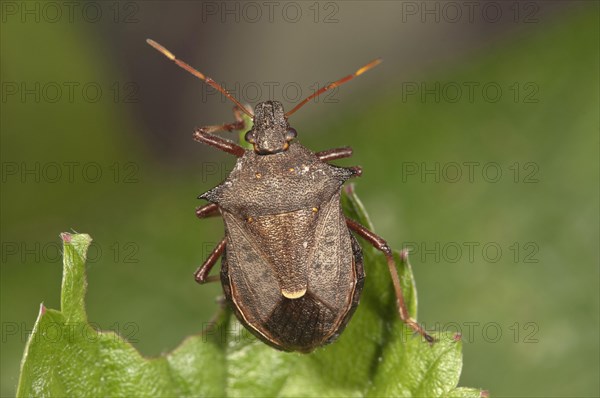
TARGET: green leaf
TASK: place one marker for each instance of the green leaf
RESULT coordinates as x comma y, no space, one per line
65,356
248,122
377,355
463,392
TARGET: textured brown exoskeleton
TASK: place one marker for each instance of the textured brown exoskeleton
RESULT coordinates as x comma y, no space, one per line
290,268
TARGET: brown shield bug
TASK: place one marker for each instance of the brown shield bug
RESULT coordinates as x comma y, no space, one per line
290,268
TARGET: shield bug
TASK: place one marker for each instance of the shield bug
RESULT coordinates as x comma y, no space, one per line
290,267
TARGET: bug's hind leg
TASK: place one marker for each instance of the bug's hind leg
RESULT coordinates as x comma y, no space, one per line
205,136
380,244
201,274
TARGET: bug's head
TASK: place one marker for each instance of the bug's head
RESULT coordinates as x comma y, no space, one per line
271,132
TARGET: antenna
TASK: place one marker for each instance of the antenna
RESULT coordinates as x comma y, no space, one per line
196,73
337,83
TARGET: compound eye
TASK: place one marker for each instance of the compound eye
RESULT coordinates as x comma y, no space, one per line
290,134
249,137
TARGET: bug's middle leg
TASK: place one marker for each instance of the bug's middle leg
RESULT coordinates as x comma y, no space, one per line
380,244
209,210
201,274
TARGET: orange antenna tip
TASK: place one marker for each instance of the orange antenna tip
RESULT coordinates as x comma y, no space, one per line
161,49
336,83
197,73
368,66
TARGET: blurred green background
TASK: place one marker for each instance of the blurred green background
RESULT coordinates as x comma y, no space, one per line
478,137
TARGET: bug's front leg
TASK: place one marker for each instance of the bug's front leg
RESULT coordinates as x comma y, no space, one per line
201,274
205,136
339,153
380,244
335,153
